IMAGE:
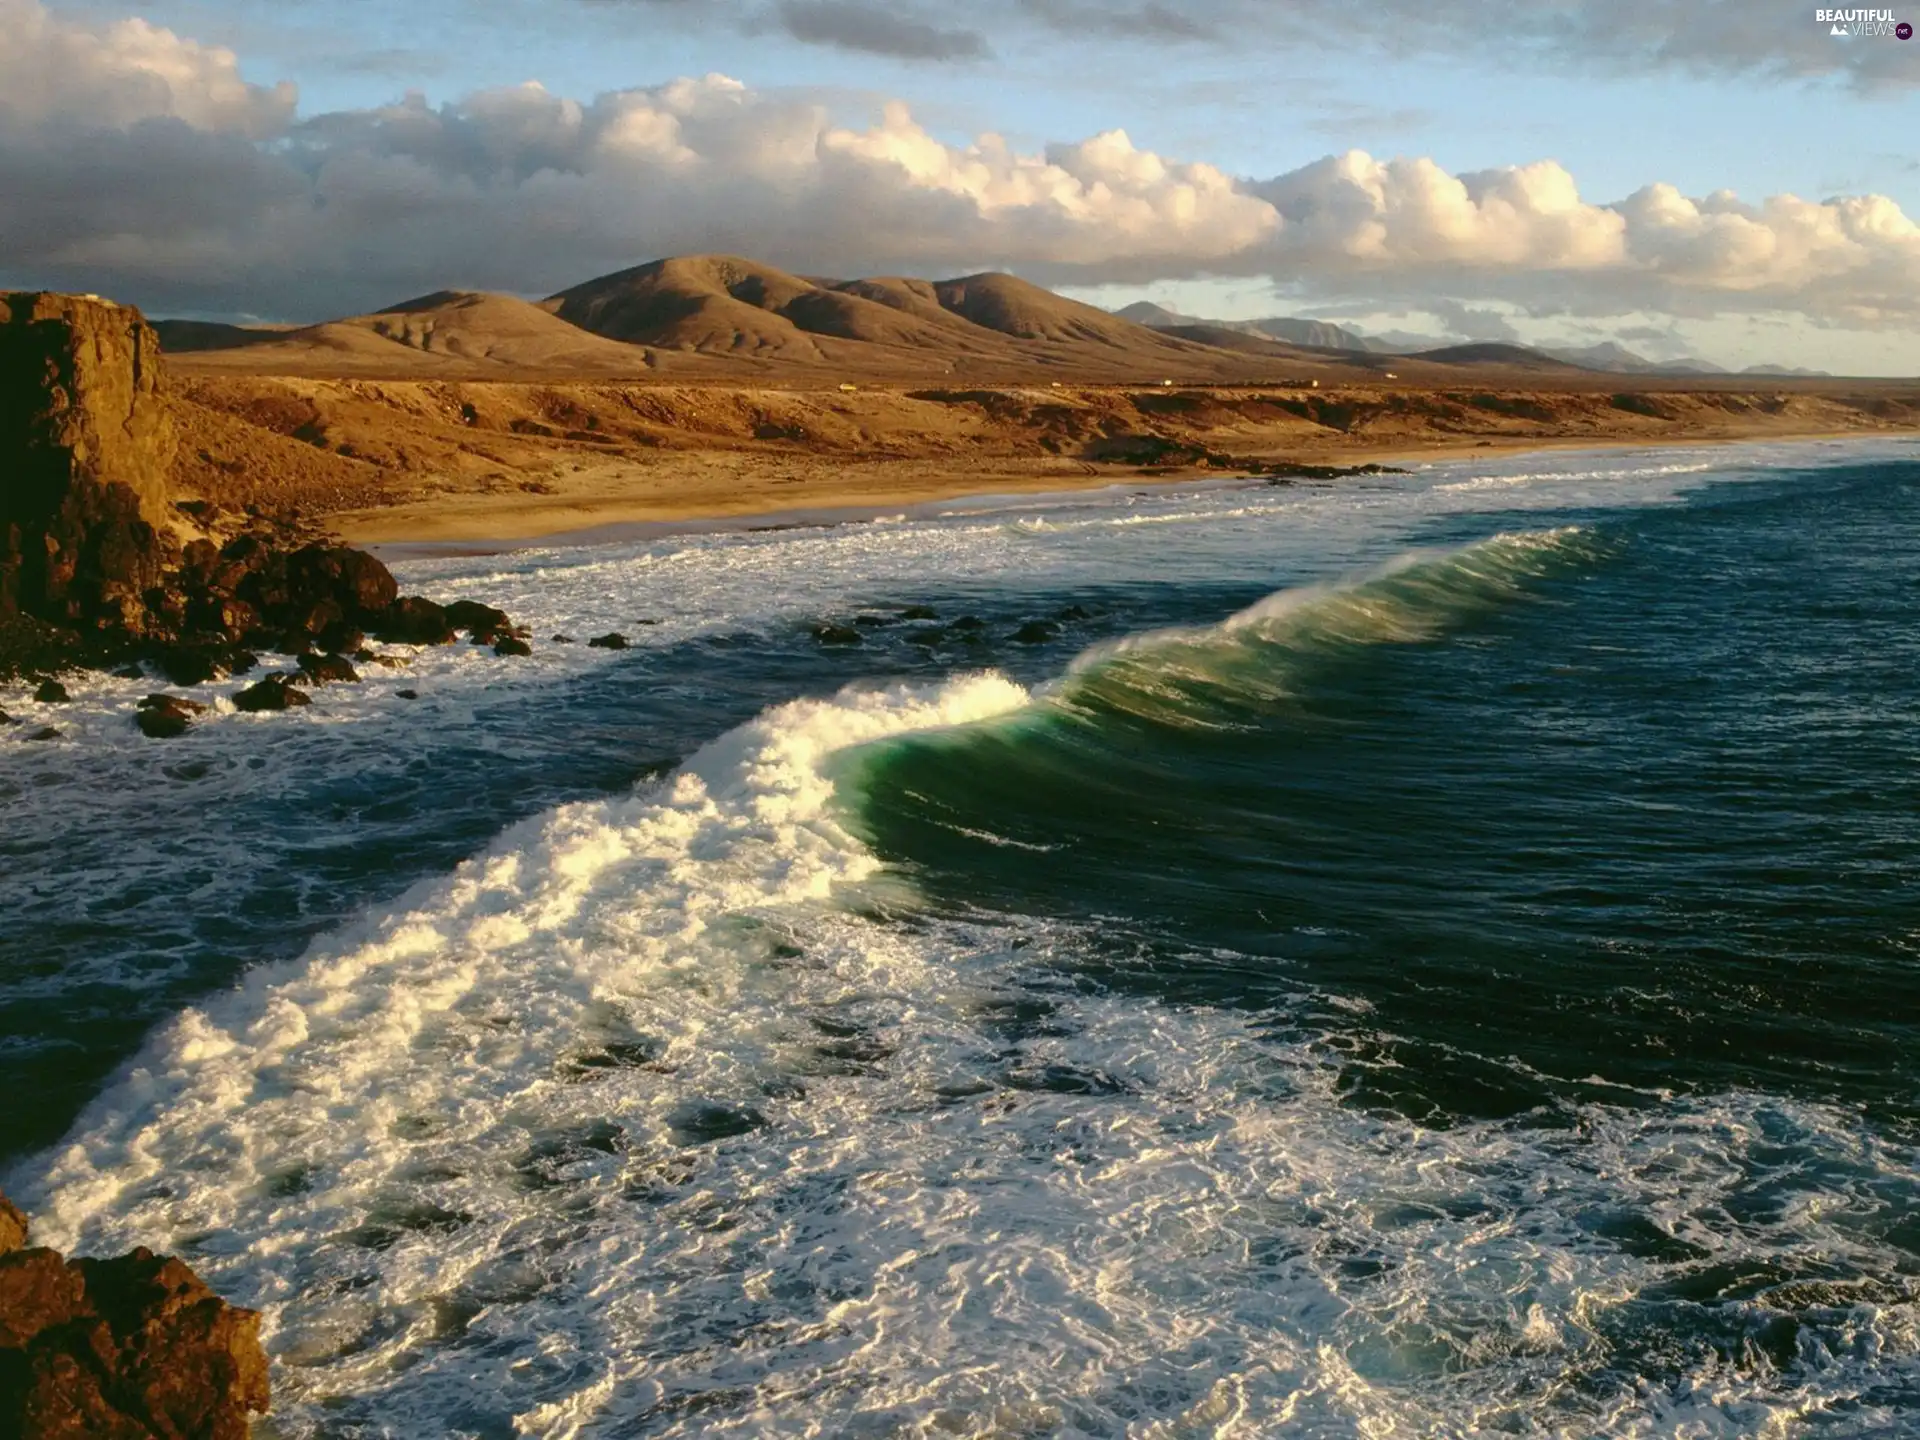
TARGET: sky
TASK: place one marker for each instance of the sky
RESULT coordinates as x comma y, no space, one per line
1721,178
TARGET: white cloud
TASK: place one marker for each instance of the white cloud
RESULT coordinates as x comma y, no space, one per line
115,75
139,163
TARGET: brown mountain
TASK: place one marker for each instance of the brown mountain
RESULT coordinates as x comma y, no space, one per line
451,332
722,316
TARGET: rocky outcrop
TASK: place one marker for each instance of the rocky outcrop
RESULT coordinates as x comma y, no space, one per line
134,1348
91,573
88,443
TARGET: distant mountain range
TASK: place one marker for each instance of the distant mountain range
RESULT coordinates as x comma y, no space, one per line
1607,355
725,316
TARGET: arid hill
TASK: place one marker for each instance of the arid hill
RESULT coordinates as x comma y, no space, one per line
725,317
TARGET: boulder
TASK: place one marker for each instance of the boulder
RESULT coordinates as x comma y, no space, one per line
411,620
134,1348
612,640
162,722
838,635
52,692
482,622
328,669
511,645
272,693
45,732
193,664
164,701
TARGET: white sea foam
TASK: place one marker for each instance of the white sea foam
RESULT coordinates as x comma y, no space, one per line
670,1115
651,1121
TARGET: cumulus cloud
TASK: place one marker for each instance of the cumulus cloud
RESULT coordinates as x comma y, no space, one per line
114,75
136,162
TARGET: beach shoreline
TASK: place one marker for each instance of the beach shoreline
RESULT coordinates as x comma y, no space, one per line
458,525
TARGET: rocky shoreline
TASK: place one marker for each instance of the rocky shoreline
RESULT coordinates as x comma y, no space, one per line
133,1348
103,567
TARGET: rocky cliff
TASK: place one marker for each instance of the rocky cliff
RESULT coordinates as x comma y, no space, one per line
134,1348
88,443
91,572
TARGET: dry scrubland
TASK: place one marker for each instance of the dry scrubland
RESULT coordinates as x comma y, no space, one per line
711,386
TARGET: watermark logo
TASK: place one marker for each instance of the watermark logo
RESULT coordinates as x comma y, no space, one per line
1851,24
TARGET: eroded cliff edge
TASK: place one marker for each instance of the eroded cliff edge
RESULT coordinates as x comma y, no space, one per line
101,564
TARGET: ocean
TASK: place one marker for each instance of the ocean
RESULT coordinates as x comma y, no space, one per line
1424,955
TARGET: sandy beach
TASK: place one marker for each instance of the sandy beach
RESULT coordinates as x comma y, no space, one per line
393,461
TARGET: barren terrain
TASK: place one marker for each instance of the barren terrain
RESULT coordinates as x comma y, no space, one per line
709,386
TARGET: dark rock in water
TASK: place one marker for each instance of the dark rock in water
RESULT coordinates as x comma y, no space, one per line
192,664
340,638
131,672
408,694
969,622
272,693
364,656
162,723
927,637
511,645
838,635
52,692
612,640
1073,612
135,1348
875,622
45,732
562,640
412,620
328,669
484,623
919,612
6,719
173,702
1036,632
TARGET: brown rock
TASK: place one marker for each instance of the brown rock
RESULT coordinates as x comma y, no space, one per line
272,693
136,1348
89,442
410,620
163,701
327,669
484,623
164,717
13,1227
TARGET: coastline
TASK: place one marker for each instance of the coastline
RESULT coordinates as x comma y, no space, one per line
856,491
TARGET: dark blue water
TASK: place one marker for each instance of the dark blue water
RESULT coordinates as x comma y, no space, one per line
1421,958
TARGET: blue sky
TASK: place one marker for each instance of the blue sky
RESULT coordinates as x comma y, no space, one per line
1754,97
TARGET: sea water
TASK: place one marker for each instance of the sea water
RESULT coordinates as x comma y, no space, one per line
1427,955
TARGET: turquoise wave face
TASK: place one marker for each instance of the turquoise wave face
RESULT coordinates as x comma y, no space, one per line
1472,996
1623,808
